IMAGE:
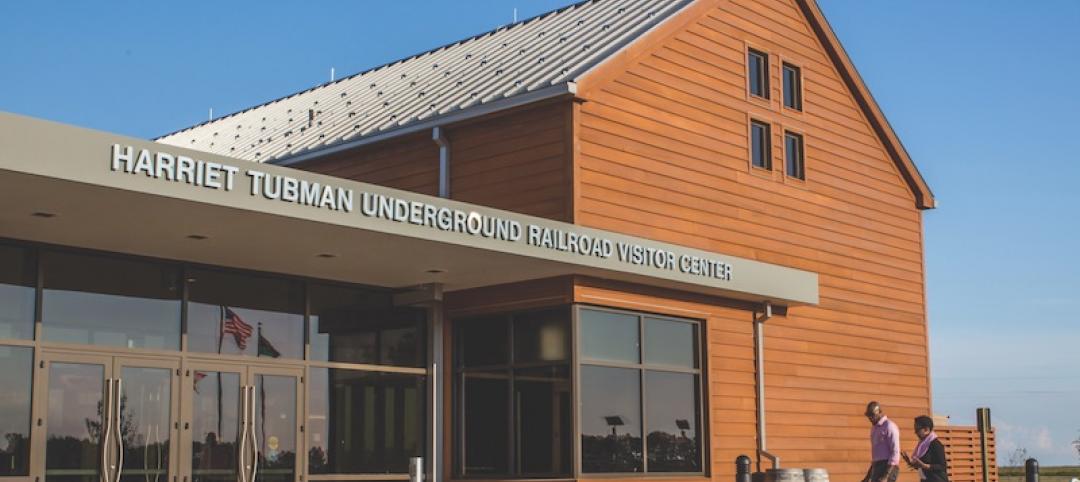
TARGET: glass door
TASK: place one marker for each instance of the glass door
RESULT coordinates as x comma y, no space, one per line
241,423
104,419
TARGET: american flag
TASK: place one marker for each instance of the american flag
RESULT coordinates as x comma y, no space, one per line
198,378
236,327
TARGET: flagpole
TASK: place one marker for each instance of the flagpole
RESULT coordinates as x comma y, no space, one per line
220,338
262,395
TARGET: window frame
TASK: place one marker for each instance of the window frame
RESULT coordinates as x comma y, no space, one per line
458,372
797,92
801,161
766,148
764,74
642,368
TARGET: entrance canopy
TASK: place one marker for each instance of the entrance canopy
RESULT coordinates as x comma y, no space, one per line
72,186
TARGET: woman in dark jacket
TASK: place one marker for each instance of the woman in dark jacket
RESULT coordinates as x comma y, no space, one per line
929,455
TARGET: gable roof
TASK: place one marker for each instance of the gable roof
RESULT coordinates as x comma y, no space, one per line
542,57
533,59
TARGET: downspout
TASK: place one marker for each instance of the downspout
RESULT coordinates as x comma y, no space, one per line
759,358
438,134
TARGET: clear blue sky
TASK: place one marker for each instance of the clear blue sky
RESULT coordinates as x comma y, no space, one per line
983,94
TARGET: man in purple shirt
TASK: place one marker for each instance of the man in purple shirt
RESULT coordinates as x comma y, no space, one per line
884,446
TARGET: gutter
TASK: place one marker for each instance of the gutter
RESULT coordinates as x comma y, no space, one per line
507,103
759,358
438,135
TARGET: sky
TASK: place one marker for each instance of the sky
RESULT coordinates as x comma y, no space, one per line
982,93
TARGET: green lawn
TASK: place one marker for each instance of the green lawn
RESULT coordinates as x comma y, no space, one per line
1065,470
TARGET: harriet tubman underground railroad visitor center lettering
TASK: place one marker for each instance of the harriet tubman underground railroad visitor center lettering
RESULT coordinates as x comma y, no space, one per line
213,175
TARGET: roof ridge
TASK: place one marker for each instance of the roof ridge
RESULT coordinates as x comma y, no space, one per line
385,65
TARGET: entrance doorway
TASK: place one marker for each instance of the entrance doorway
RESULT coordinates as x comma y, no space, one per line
106,418
241,423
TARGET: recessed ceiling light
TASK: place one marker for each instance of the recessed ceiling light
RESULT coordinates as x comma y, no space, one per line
326,255
197,237
42,214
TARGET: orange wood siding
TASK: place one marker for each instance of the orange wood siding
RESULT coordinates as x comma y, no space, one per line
963,451
410,163
519,161
663,154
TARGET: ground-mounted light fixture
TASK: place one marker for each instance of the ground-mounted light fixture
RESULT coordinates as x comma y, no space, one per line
43,214
197,237
435,271
326,255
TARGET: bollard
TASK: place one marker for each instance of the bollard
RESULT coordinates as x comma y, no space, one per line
1031,470
742,468
416,469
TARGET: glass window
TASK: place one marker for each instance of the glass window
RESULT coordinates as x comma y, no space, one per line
793,156
542,418
16,371
670,342
362,326
514,411
484,341
610,420
102,300
609,336
664,388
17,293
671,412
239,314
363,422
757,72
760,145
487,422
792,87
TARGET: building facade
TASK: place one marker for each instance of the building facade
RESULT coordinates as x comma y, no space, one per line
625,239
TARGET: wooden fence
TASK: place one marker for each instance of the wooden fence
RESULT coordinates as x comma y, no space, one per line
963,450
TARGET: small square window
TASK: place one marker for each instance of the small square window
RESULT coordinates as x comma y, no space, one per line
794,163
757,72
760,145
792,87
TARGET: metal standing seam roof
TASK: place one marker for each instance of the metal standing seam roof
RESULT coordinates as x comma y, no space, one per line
526,57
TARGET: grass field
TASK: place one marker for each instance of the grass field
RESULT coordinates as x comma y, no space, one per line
1060,471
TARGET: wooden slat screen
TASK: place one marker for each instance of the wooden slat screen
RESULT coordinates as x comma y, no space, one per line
962,450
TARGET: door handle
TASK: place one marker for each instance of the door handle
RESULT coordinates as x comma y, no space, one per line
118,385
240,458
106,424
254,435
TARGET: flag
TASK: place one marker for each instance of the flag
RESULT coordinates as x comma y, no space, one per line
265,348
236,327
198,378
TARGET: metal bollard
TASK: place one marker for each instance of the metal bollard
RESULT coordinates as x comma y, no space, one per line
1031,470
742,468
416,469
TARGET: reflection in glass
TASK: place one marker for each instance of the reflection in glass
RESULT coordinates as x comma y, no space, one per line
610,420
16,371
17,275
362,326
275,427
609,336
238,314
215,426
672,343
144,423
486,422
672,415
364,422
73,437
484,341
542,336
542,420
101,300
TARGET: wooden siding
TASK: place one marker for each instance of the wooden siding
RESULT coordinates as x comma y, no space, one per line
663,153
518,161
410,163
963,451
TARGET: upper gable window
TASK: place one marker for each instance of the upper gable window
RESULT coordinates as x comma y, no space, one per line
792,87
760,149
794,160
757,71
